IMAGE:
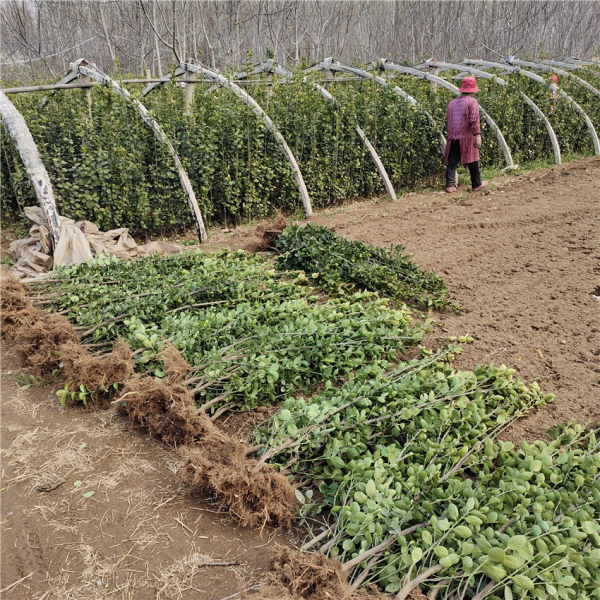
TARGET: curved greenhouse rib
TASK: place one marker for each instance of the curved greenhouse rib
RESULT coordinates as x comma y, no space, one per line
506,67
258,111
82,67
485,75
30,156
270,66
164,79
540,65
330,64
388,65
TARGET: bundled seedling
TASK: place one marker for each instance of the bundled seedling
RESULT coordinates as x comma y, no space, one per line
251,335
339,265
419,492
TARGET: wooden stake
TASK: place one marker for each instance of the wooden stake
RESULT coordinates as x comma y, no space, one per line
88,94
190,77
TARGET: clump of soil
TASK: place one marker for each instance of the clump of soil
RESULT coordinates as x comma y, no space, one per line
39,342
97,372
166,408
297,575
267,233
174,365
37,335
213,461
16,308
256,496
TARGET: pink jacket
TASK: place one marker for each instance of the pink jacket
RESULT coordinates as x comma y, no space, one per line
462,119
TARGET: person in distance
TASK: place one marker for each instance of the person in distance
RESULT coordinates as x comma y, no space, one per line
464,136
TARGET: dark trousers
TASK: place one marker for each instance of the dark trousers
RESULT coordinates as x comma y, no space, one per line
453,160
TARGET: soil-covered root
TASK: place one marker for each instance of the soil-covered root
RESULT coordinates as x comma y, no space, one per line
97,373
167,409
174,365
38,342
16,307
297,575
254,497
267,233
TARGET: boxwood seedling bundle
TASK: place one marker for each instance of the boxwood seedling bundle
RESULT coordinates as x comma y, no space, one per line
414,484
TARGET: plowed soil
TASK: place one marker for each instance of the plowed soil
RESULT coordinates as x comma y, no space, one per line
523,260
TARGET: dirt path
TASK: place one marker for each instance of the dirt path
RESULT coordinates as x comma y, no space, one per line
139,536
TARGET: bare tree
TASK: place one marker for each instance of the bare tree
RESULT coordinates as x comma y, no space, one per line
40,37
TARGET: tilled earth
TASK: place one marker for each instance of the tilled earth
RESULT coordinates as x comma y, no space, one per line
523,260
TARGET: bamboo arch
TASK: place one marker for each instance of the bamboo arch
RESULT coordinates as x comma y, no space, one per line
485,75
548,68
506,67
330,64
189,67
388,65
17,127
82,68
270,66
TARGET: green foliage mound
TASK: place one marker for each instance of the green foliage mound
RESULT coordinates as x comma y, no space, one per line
109,168
338,264
417,486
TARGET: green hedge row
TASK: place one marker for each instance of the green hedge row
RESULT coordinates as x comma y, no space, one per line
111,169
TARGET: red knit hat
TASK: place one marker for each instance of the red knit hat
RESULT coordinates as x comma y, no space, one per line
468,85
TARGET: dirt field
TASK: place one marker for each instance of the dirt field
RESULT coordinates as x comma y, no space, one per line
524,262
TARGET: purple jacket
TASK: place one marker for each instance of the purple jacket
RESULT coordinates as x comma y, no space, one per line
462,119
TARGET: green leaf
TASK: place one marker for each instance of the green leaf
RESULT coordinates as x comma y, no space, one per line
523,582
462,531
496,555
453,511
495,572
416,554
371,488
89,494
590,527
443,524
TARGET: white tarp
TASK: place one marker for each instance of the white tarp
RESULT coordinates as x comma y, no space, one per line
79,242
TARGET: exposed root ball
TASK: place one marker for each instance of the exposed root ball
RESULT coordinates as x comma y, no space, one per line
38,342
260,498
174,365
297,575
267,233
16,308
97,372
167,409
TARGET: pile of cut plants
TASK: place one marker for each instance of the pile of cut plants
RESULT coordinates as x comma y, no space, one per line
392,455
338,264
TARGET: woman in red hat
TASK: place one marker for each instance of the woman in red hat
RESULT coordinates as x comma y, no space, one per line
464,136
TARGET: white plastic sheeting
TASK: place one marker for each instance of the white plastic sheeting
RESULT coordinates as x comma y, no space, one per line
79,242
